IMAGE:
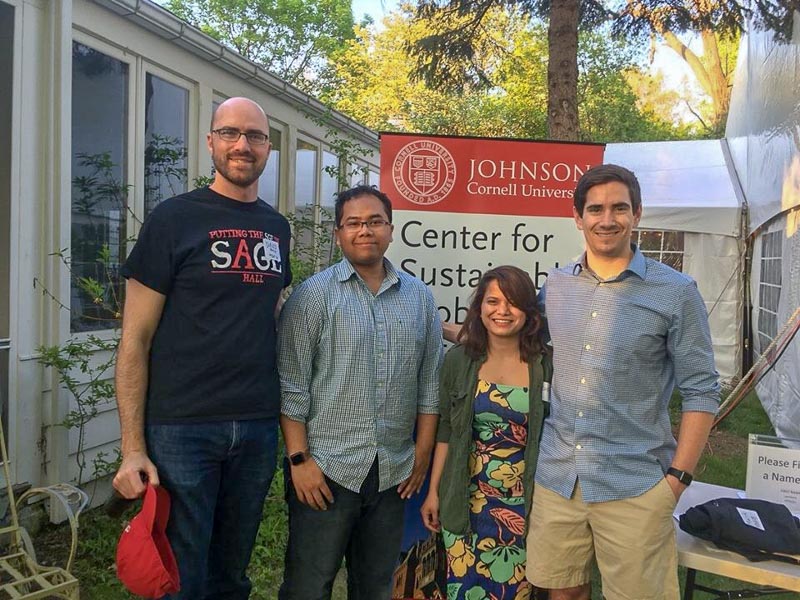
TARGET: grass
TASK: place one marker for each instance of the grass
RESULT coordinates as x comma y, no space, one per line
94,564
723,463
266,566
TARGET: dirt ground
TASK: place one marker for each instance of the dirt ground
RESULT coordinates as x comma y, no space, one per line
725,444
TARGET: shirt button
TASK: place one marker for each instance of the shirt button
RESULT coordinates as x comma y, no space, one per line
583,379
379,384
594,314
588,346
601,284
580,413
578,446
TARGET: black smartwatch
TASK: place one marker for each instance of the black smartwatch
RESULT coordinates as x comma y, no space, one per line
298,458
683,476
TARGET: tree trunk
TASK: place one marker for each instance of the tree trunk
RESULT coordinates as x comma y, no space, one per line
720,89
562,71
709,73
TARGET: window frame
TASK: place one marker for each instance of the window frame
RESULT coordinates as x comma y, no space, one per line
377,174
133,168
317,148
358,173
280,172
336,181
765,338
661,252
144,66
128,166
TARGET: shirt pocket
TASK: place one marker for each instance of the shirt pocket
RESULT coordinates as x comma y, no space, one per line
407,339
460,415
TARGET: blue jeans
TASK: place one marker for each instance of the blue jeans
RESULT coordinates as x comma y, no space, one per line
218,475
366,528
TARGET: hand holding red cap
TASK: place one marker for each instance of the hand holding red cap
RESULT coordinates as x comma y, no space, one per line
145,562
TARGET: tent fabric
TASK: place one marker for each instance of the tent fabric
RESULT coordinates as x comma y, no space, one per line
763,125
686,185
779,390
763,131
714,261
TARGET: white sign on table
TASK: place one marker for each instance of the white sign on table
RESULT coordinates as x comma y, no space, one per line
773,470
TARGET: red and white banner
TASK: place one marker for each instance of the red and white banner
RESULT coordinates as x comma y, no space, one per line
464,205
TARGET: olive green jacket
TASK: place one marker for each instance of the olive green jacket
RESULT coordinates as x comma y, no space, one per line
458,381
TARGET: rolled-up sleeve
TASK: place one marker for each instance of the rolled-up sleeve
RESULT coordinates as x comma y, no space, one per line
445,387
428,378
298,336
689,343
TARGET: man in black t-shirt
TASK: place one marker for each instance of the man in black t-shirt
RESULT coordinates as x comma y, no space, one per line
197,387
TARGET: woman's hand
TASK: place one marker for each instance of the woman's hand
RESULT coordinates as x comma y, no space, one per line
430,512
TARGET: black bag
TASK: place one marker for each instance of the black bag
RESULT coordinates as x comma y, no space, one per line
724,522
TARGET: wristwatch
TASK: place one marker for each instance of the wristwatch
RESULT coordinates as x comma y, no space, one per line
298,458
683,476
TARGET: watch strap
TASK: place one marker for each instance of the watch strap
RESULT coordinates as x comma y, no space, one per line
298,458
683,476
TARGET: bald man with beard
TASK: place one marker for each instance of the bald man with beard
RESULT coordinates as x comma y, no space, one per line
196,380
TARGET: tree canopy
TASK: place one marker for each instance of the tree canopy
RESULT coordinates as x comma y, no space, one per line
528,68
373,84
291,38
450,51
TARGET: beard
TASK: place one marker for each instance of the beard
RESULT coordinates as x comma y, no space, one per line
241,174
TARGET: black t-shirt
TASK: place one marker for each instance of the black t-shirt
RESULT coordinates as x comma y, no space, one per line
221,265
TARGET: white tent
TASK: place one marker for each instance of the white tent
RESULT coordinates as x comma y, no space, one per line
690,187
734,196
763,131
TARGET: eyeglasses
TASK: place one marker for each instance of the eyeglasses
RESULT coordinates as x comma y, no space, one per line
227,134
372,224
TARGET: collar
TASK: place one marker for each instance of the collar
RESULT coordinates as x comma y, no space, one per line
344,270
637,266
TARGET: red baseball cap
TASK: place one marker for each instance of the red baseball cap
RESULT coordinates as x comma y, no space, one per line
145,562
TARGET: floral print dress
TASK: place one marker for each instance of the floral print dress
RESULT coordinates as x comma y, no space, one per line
488,563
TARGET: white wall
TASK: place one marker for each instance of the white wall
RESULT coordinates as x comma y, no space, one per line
36,181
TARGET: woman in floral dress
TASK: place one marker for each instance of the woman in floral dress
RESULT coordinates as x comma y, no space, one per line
491,414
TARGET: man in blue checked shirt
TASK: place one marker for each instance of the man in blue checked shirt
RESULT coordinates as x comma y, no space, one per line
359,349
626,330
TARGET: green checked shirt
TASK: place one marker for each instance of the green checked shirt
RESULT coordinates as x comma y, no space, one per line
357,368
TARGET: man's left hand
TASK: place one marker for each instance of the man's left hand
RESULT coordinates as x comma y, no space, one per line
677,486
413,484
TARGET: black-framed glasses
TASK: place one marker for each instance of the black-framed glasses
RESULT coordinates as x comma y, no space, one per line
372,224
228,134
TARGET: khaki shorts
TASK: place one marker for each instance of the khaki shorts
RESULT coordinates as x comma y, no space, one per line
633,541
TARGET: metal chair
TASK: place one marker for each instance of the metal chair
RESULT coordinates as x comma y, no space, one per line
21,576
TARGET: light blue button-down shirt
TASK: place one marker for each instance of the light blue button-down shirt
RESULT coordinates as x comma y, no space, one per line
357,368
620,348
